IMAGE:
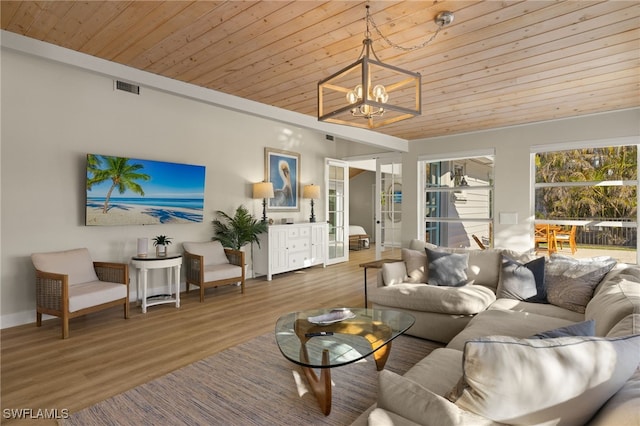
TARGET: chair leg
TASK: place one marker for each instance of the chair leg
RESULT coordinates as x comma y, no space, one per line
242,286
65,327
38,319
201,293
126,309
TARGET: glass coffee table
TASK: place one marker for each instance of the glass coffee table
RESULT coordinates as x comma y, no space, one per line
328,338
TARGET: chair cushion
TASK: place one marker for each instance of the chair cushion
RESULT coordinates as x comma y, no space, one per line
94,293
212,251
533,381
618,299
221,272
76,263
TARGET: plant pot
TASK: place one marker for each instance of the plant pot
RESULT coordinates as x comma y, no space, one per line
161,250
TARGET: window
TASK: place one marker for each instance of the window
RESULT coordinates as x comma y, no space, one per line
458,201
595,190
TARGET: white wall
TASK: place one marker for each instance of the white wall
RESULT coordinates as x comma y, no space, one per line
54,114
512,165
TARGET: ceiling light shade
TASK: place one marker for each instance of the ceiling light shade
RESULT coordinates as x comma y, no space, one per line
263,190
369,93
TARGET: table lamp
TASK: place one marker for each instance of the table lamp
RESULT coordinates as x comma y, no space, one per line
263,190
313,193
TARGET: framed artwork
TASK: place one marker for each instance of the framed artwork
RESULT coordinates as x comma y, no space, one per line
147,193
282,169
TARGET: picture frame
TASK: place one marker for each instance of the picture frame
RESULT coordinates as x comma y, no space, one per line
282,169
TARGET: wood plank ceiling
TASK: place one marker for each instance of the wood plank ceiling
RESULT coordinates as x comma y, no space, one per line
500,63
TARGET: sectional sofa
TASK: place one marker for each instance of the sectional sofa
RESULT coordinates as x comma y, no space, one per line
529,340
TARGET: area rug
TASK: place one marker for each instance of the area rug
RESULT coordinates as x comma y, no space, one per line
249,384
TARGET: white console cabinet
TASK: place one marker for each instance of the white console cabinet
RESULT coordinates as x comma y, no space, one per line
285,248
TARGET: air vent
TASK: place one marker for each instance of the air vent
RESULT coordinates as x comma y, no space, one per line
127,87
329,137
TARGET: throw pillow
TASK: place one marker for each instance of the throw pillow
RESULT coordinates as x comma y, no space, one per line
416,263
522,281
394,273
447,269
562,380
407,398
584,328
570,282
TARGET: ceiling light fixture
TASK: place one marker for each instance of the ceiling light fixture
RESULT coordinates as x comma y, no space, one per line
370,93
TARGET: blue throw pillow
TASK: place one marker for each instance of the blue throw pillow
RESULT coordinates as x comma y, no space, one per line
447,269
522,281
585,328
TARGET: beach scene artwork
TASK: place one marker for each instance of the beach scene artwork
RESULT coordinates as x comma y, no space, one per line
131,191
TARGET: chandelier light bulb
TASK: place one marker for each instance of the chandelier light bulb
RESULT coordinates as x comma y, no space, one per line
358,90
379,91
352,98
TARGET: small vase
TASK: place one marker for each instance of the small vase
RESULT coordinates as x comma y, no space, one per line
161,250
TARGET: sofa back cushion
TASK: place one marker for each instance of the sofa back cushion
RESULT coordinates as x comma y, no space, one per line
76,263
211,251
416,265
616,300
534,381
483,266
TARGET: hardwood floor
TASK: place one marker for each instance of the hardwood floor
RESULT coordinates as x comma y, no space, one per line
106,355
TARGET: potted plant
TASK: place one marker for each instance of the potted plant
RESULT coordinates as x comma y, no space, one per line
161,242
239,230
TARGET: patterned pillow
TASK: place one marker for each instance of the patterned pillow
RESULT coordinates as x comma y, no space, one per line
447,269
570,282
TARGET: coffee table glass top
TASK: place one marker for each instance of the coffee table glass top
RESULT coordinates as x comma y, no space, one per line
346,341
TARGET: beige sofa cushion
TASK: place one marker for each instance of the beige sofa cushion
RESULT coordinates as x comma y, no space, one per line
439,371
76,263
416,265
394,273
623,407
483,265
466,300
505,323
545,309
613,302
380,417
403,396
506,381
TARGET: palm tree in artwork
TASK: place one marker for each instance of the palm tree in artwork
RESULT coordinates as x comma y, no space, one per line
122,175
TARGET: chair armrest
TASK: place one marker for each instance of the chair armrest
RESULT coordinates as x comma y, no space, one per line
112,272
51,290
194,267
236,257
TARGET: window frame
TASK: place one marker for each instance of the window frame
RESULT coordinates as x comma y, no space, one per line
587,144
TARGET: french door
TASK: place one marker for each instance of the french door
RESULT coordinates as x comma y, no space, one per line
388,202
337,210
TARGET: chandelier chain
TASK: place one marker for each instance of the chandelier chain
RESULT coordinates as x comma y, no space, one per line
397,46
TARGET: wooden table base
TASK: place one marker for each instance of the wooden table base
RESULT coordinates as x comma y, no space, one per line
321,386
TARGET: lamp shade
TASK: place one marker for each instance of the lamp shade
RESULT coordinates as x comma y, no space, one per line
311,191
263,190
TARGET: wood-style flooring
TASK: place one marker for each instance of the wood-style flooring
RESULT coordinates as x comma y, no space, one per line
106,355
